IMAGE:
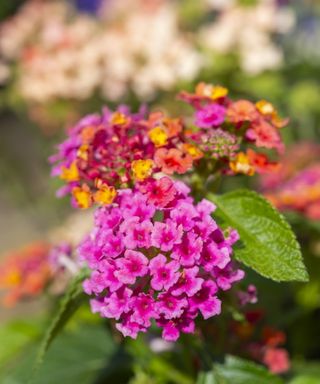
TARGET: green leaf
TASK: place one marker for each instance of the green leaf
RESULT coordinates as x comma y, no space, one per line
14,336
79,355
305,379
71,301
239,371
209,378
269,244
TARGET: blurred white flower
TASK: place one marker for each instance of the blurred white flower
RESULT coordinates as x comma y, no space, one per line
248,31
134,46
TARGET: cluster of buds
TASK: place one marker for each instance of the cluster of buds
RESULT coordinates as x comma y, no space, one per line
119,149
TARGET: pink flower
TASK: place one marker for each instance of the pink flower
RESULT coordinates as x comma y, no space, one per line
188,283
117,303
173,327
277,360
205,208
205,300
166,235
130,328
226,277
112,245
249,296
136,234
205,227
160,192
95,284
184,215
164,274
214,257
133,265
138,206
189,250
143,309
209,116
164,260
108,219
109,277
170,306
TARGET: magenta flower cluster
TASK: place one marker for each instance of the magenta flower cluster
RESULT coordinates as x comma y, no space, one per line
158,262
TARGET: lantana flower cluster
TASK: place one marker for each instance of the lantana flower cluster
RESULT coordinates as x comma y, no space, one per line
261,342
231,131
119,149
25,272
156,256
115,150
296,185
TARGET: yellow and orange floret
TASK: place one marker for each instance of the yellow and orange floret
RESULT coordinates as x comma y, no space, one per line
119,149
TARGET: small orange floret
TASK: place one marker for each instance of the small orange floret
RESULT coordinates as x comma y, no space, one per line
71,173
241,164
193,151
158,136
105,195
119,118
241,111
82,196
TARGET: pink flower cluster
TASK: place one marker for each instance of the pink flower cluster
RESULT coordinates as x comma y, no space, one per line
155,255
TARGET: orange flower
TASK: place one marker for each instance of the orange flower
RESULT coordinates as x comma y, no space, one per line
105,194
213,92
83,152
71,173
241,111
118,118
265,135
261,163
142,168
193,151
241,164
82,196
267,109
87,134
25,272
173,126
172,160
158,136
273,337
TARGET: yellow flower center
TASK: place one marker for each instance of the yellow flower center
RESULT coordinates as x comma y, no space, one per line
119,118
193,151
158,136
142,168
217,92
265,108
242,165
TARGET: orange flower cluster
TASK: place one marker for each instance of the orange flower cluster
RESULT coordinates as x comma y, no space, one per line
296,186
118,149
25,272
262,344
